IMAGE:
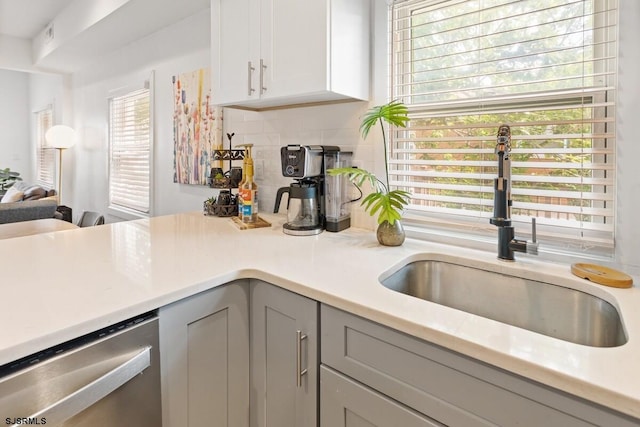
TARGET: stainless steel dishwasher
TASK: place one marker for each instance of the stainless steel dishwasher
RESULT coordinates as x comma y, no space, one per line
107,378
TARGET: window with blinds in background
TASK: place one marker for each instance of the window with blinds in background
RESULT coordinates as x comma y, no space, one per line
45,156
545,68
129,151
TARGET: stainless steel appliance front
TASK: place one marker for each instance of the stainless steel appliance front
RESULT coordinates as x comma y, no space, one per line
105,379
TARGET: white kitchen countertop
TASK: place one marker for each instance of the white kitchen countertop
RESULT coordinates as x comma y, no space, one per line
57,286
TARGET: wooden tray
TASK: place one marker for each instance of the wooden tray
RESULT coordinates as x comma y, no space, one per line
260,223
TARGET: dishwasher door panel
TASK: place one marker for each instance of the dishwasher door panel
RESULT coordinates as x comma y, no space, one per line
106,382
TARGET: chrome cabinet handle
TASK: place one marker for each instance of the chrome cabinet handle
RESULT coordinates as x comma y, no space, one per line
299,371
263,67
250,71
96,390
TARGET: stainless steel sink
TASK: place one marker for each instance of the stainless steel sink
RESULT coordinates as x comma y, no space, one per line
548,309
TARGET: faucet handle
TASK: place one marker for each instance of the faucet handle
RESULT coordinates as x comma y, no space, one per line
533,230
532,246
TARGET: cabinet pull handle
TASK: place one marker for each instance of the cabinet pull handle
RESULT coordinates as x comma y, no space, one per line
250,71
263,67
299,371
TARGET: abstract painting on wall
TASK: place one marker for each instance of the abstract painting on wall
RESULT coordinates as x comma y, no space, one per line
196,126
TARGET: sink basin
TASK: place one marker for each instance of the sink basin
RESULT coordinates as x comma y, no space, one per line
548,309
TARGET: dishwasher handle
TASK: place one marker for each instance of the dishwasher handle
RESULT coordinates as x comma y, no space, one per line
84,397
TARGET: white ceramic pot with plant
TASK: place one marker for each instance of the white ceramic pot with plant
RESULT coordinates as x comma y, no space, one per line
387,204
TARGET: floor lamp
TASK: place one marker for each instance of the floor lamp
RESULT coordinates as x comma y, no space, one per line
60,137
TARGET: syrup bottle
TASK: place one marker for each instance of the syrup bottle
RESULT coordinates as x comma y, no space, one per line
248,192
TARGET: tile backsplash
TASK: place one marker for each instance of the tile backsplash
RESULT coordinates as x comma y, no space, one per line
268,131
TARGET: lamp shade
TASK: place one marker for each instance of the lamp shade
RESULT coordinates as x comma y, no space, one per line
60,136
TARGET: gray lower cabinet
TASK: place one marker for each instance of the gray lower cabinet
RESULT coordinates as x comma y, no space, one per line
445,386
347,403
284,358
248,354
204,356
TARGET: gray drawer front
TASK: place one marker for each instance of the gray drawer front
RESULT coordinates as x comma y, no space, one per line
446,386
347,403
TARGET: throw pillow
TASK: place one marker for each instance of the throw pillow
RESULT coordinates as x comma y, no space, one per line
12,195
34,192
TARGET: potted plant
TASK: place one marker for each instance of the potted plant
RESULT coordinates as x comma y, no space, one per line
386,203
7,179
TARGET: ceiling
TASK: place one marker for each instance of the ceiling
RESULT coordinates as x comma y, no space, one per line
26,18
127,21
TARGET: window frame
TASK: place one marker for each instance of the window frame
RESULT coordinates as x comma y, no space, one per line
472,232
114,209
44,154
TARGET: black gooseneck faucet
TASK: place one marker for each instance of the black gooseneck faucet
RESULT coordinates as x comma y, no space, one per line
507,243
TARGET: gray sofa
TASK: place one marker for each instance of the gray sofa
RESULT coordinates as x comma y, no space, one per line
27,210
37,203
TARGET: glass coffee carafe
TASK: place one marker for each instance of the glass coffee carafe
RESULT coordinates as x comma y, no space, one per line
303,208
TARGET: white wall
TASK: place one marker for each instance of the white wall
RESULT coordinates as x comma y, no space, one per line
50,89
15,146
180,48
47,90
16,53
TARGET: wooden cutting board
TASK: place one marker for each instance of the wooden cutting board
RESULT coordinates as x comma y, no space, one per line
602,275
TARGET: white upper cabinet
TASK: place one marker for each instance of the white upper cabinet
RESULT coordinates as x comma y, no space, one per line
269,53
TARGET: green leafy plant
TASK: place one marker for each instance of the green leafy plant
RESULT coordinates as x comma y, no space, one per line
387,204
8,178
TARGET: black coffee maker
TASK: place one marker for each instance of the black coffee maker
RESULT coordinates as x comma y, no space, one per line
305,206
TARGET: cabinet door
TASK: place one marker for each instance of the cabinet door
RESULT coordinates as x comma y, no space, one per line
204,349
293,47
346,403
234,50
284,358
268,53
447,386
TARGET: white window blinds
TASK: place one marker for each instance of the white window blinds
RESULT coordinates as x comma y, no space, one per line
545,68
45,156
129,150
